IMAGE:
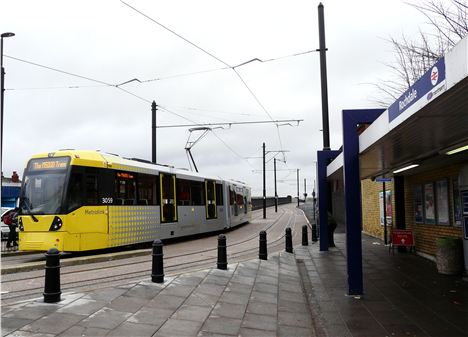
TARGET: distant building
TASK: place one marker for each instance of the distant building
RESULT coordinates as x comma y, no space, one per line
10,190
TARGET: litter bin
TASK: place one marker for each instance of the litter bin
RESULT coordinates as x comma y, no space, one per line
449,255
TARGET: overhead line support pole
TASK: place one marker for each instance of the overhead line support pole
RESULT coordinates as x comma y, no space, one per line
323,75
264,184
276,192
153,129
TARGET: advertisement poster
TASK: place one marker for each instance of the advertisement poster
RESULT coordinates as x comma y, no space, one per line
429,210
418,204
388,201
442,202
456,203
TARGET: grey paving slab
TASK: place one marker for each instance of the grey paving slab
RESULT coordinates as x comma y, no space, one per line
128,329
295,319
10,324
166,301
212,334
54,323
210,289
152,316
29,334
267,279
238,288
177,290
264,297
77,330
288,331
248,332
145,290
192,313
222,325
229,310
126,303
292,296
107,294
215,279
200,299
179,327
106,318
290,306
243,279
259,322
262,308
82,306
30,311
235,298
265,287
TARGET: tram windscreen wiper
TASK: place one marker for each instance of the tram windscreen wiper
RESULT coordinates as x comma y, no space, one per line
25,202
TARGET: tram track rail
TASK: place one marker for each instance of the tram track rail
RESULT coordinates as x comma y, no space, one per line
132,271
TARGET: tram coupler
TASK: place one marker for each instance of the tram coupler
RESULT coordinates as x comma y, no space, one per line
52,293
262,253
157,273
222,255
289,247
305,239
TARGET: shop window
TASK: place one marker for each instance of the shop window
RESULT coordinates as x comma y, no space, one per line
429,207
457,209
418,204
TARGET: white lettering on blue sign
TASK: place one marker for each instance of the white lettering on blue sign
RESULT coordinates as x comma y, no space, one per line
422,88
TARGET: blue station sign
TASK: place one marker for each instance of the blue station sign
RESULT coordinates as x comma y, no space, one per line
425,88
383,180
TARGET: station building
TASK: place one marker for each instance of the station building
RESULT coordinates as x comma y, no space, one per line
411,157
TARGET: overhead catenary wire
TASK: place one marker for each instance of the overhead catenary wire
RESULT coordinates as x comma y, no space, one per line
207,53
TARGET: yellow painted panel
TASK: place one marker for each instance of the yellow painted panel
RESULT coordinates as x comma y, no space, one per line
93,219
40,241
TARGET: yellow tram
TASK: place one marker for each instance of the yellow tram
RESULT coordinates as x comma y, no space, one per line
86,200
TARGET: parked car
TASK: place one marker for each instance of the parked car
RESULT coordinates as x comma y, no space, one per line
5,228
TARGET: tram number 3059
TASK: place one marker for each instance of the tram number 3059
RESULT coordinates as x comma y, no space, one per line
107,200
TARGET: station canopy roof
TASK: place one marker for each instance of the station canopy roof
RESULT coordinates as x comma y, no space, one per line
426,122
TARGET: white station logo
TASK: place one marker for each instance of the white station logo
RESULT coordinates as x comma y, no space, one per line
434,75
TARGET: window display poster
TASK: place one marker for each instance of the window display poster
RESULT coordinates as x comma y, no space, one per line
457,211
418,204
429,211
388,202
442,202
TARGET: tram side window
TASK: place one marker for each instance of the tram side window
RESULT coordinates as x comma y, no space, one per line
75,191
197,191
239,199
91,189
219,194
124,189
232,197
147,189
183,192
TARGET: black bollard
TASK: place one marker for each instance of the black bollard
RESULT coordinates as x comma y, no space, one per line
52,276
305,239
263,254
289,247
157,274
222,256
314,232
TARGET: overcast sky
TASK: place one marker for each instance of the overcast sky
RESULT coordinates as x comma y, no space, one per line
110,42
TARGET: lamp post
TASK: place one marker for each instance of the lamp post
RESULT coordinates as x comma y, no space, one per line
2,90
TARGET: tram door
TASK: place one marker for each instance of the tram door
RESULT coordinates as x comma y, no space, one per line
210,202
168,197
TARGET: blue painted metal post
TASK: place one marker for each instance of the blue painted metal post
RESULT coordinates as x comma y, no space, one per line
352,188
323,158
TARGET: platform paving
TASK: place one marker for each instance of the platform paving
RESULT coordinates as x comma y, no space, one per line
300,294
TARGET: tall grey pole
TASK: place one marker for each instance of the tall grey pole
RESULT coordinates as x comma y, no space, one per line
276,192
323,76
2,96
153,129
264,184
297,187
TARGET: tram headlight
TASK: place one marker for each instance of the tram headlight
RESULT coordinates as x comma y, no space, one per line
56,224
